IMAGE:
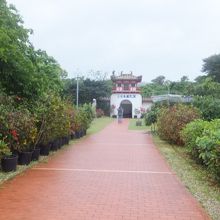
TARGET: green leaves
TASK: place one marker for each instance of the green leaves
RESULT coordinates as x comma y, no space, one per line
212,67
209,107
23,70
202,138
172,120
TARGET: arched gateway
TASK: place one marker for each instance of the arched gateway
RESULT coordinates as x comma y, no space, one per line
126,94
127,108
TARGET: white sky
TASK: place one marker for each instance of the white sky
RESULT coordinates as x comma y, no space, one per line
148,37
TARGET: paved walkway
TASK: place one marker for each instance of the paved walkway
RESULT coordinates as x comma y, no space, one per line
115,174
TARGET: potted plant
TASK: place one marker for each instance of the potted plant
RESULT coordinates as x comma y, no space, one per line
138,113
23,134
8,161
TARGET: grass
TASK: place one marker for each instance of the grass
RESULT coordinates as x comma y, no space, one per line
196,179
96,126
132,125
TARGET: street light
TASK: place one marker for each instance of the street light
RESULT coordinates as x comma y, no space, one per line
77,91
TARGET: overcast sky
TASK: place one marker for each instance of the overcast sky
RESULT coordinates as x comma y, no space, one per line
148,37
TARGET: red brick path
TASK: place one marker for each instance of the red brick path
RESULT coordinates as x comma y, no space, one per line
115,174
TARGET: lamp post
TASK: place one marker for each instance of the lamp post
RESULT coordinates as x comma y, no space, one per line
77,91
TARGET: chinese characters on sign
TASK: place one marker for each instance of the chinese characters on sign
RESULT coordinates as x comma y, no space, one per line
126,96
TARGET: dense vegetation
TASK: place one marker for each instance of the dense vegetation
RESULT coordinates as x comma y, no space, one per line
34,109
172,120
180,124
202,138
89,89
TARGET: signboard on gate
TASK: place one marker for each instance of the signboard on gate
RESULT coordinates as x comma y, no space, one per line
124,96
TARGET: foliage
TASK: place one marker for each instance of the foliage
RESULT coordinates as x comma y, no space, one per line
4,149
159,86
89,90
86,115
159,80
99,113
53,118
83,117
209,148
172,120
209,107
151,116
212,67
206,87
24,71
22,130
203,141
190,133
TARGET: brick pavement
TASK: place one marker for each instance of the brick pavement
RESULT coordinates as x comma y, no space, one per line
114,174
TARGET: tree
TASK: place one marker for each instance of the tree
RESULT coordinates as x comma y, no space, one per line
89,90
15,50
24,71
159,80
207,87
211,66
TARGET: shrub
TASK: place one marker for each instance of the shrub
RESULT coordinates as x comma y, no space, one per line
151,116
99,113
53,119
209,148
209,107
189,135
4,149
83,117
172,120
22,131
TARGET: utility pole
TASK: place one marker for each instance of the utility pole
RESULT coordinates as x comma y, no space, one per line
77,91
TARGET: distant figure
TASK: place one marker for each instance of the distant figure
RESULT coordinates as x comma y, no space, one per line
120,114
94,103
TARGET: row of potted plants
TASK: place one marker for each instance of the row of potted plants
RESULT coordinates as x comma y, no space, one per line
27,131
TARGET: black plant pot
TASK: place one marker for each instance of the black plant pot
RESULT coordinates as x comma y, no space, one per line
24,158
68,140
81,133
72,136
77,134
36,154
45,149
54,145
9,163
60,143
63,141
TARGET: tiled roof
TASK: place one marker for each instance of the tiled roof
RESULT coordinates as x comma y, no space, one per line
126,77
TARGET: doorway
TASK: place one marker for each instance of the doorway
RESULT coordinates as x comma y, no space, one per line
127,108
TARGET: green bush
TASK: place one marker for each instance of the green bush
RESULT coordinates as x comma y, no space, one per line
172,120
190,133
53,119
203,140
209,107
150,117
22,131
4,149
209,148
17,125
